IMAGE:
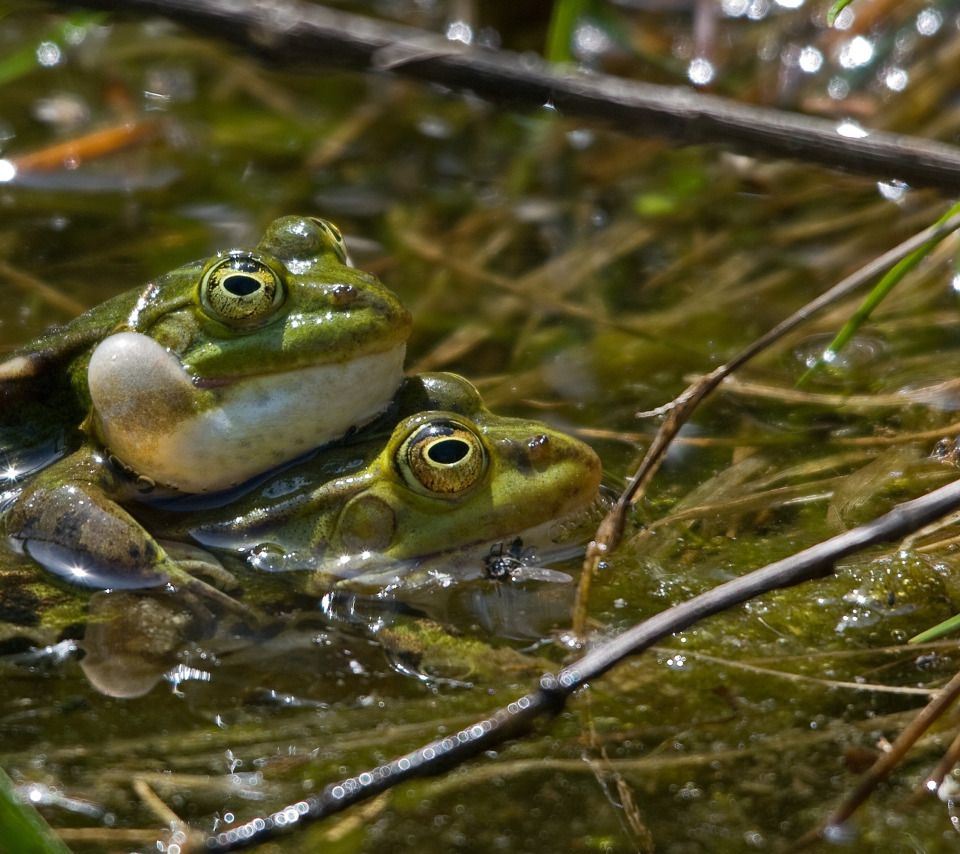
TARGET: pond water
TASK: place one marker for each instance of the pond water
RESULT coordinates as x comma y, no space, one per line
576,276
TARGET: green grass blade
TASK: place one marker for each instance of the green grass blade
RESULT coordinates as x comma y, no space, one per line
22,828
835,10
937,631
874,298
563,20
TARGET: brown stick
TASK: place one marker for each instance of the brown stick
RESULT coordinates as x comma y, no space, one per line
295,35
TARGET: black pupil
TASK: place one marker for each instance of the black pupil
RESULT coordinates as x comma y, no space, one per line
448,451
240,285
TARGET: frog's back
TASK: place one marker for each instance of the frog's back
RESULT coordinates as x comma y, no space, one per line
43,395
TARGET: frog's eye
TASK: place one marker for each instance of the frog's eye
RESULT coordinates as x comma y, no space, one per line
333,239
442,457
241,289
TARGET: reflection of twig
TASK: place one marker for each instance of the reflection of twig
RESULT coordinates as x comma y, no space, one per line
519,717
678,411
816,680
303,35
31,284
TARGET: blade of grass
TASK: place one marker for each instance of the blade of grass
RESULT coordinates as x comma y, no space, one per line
563,20
835,10
890,280
938,631
22,828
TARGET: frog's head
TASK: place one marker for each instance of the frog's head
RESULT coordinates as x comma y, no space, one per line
291,302
226,367
458,476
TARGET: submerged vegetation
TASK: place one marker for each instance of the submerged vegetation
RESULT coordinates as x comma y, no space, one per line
576,275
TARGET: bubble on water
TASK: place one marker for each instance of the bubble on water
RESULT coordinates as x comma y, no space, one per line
838,88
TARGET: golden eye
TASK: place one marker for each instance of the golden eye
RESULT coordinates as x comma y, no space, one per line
442,457
241,289
332,238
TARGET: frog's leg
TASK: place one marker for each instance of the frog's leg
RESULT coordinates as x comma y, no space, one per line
68,521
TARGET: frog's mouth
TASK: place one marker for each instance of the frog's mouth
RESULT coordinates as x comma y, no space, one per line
199,437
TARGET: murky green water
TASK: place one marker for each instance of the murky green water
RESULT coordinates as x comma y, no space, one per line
575,276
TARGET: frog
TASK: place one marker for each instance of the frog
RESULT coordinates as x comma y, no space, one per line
206,377
439,472
436,474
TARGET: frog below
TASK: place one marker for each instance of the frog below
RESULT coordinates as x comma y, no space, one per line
438,472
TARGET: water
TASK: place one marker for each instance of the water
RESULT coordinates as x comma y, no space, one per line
579,277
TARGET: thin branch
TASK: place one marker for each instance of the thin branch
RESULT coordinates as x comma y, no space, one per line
519,717
295,35
678,411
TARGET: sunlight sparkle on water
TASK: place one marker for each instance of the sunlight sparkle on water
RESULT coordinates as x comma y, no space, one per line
896,79
929,21
77,572
589,40
845,19
700,71
856,53
734,8
893,191
48,54
851,130
460,31
810,59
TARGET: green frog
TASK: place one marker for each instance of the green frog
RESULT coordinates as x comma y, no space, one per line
438,472
435,473
212,374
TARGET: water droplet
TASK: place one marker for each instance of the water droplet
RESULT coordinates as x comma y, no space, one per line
894,191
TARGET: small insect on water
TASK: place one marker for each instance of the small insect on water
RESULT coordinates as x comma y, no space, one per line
506,563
